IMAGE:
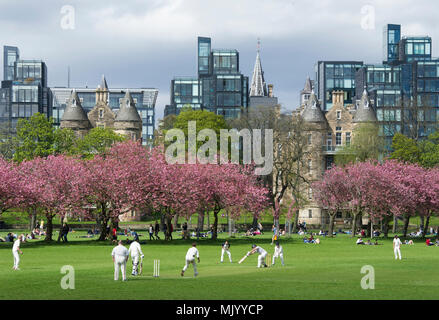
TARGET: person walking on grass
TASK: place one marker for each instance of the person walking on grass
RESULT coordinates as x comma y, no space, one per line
191,254
120,257
15,250
397,247
156,230
151,232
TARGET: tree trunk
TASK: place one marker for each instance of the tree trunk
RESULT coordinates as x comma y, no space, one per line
208,220
289,228
371,228
168,226
424,231
421,224
354,224
33,219
175,221
215,224
331,225
386,227
104,222
200,223
49,227
406,225
296,221
395,224
255,223
60,229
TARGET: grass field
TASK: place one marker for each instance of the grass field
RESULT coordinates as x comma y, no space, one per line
330,270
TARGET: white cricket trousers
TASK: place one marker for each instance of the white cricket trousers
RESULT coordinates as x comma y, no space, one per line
16,259
188,262
120,262
135,260
228,253
261,259
281,256
397,252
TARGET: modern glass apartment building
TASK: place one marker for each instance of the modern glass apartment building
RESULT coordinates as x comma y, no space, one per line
333,76
219,86
24,88
144,98
405,87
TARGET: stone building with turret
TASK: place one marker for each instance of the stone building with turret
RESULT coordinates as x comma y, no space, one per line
327,132
126,121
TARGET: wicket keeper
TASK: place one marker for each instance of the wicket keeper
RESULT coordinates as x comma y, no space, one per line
278,253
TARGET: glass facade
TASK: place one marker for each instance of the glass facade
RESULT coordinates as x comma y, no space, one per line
391,37
219,87
144,98
24,89
415,49
336,75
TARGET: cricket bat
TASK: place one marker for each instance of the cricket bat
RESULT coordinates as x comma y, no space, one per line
243,258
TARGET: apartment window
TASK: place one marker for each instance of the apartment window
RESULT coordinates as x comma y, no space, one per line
309,139
309,213
338,115
309,165
101,113
338,138
348,138
309,193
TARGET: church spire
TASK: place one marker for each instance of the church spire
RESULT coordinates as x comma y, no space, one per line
258,87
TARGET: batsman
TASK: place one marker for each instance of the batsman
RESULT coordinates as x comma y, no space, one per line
262,255
136,252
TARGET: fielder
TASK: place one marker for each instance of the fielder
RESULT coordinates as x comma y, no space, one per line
225,249
191,254
262,255
278,253
397,247
15,250
135,251
120,256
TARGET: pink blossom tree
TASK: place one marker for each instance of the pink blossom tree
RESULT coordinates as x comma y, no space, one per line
12,189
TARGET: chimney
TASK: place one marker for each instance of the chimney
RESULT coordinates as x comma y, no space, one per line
270,90
338,97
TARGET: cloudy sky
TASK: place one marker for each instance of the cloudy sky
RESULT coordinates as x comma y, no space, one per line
146,43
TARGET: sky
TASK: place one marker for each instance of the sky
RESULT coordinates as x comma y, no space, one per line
147,43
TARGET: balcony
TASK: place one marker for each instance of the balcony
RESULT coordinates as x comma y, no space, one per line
330,149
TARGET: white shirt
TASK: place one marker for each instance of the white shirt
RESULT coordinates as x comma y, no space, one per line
151,230
120,250
278,250
260,250
397,243
192,253
135,249
16,245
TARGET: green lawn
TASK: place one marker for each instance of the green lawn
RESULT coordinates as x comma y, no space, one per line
330,270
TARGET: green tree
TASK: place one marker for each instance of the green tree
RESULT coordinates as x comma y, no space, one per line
405,149
98,140
204,120
65,142
35,138
367,144
7,143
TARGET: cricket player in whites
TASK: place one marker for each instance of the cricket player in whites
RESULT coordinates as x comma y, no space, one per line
278,253
262,255
136,252
191,254
15,250
225,248
397,247
120,256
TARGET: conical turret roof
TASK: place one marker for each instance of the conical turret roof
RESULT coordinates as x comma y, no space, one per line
74,110
312,112
128,110
308,85
104,83
365,111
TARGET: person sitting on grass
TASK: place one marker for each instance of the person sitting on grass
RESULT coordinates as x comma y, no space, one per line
317,241
360,241
368,243
428,242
